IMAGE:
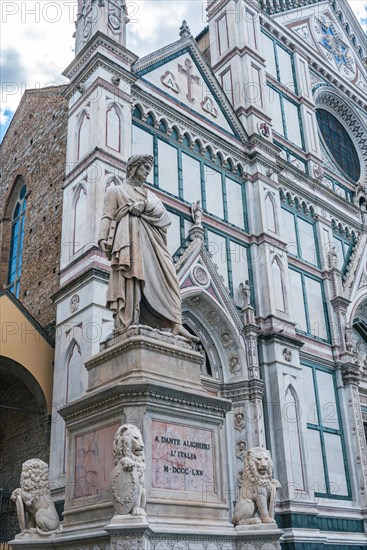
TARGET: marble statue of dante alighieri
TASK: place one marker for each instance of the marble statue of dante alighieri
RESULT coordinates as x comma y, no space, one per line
143,286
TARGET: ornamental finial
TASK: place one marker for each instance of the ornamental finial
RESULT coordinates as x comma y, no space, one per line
184,30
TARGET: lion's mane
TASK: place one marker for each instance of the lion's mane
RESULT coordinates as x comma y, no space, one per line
34,478
122,447
251,477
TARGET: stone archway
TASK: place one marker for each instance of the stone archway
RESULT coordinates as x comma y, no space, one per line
218,333
24,434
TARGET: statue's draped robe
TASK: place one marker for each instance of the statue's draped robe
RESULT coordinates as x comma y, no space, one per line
143,285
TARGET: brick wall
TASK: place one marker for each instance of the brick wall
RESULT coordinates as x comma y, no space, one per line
23,435
35,149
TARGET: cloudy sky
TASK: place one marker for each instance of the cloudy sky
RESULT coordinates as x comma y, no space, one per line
36,39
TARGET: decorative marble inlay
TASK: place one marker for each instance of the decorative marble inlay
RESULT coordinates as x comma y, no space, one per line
168,79
333,46
74,303
200,275
182,457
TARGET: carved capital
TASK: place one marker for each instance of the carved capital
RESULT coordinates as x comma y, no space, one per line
351,374
340,304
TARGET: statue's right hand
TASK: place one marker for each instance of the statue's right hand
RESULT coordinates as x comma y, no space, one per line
103,244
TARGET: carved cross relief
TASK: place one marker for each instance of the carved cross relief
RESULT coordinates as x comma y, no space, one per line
191,78
168,80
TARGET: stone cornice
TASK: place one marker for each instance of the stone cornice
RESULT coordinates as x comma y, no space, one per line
115,90
281,338
91,274
121,395
243,390
326,198
240,52
99,40
141,342
264,145
339,302
96,154
99,60
252,110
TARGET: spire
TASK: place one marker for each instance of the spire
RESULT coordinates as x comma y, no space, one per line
184,30
106,16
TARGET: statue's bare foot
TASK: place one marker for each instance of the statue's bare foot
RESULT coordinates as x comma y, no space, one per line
179,330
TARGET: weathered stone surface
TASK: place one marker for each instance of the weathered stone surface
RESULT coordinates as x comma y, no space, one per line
35,508
127,477
34,148
255,506
140,354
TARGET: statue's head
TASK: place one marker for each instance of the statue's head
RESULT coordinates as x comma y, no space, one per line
136,161
128,442
34,477
258,464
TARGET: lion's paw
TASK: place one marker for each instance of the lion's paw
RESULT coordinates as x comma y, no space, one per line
136,511
127,464
268,520
250,521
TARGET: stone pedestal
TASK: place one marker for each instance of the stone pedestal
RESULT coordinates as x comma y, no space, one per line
151,379
142,354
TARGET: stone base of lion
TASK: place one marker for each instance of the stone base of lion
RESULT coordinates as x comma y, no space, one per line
256,501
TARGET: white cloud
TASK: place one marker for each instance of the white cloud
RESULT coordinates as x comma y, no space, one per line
37,36
4,117
360,11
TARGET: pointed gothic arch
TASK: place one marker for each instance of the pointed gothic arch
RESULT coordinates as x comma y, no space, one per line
83,131
271,212
114,126
112,180
13,219
211,364
279,286
79,217
292,415
73,361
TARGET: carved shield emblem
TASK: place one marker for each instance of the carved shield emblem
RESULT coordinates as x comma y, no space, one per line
124,488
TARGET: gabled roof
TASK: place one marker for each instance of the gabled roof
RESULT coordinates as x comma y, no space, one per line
167,71
195,269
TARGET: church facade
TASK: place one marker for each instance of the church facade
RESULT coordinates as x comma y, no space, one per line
261,118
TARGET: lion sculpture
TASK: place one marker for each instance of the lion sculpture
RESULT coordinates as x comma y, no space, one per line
35,508
257,494
127,477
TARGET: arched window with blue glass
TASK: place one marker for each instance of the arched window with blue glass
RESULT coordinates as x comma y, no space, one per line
16,242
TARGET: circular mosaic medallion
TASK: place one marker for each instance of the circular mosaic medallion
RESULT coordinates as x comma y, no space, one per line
201,276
